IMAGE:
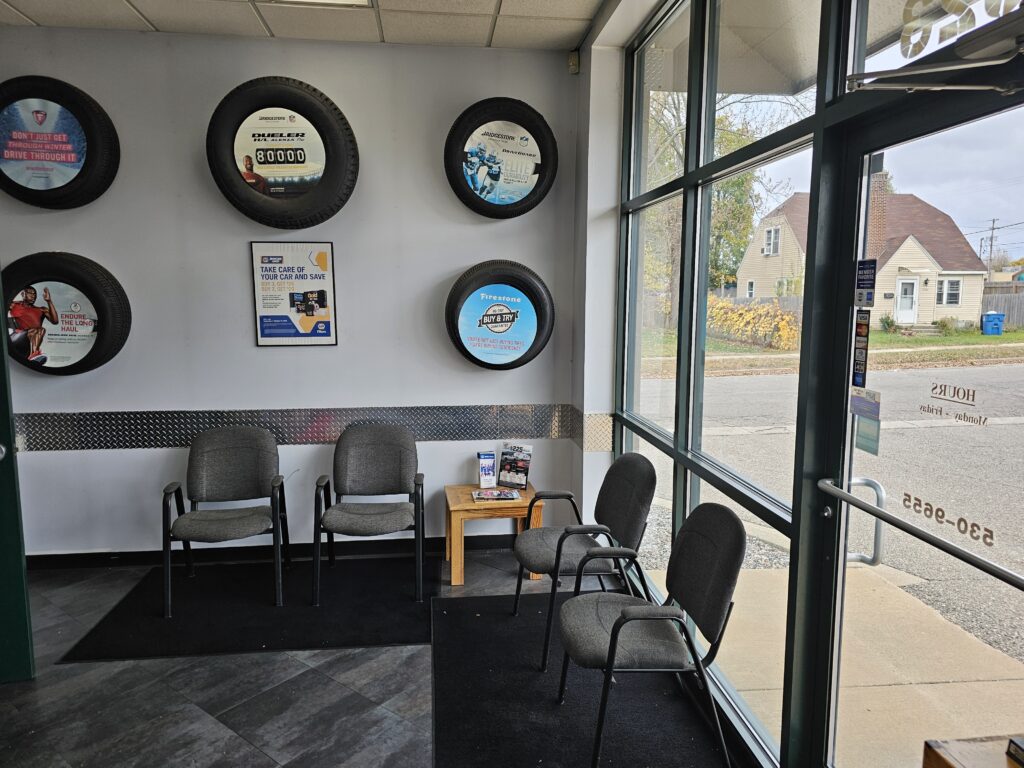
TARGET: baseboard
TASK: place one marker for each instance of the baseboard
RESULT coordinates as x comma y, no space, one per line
347,548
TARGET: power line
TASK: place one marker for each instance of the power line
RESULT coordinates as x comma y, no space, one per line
994,228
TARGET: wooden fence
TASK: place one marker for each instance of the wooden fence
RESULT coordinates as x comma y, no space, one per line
1010,304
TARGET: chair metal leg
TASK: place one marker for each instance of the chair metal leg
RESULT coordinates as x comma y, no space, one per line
167,574
565,676
600,580
330,547
625,581
519,590
317,545
285,542
547,631
187,546
600,717
278,586
419,559
703,679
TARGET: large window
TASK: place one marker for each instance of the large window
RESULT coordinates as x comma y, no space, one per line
756,183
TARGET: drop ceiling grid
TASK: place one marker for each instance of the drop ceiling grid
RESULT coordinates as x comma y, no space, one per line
544,24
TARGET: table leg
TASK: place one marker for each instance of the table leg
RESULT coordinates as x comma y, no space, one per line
447,532
458,552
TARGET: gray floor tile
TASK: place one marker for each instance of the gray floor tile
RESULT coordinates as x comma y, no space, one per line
403,746
397,678
217,683
102,591
31,752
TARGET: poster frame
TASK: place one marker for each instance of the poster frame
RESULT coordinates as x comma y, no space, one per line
254,265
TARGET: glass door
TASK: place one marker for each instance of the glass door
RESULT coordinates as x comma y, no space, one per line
930,640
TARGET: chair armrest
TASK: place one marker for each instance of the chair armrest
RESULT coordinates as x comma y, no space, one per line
323,480
277,481
170,488
651,612
419,478
603,553
574,529
553,495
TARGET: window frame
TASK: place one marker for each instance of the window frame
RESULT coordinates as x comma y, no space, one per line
772,236
750,289
943,291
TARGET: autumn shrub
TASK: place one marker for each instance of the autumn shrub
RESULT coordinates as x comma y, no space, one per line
888,323
763,324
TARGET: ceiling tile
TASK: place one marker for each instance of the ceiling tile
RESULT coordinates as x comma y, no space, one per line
97,14
350,25
551,9
202,17
435,28
10,16
440,6
552,34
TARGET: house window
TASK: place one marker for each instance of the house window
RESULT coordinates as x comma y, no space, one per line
948,292
771,241
750,289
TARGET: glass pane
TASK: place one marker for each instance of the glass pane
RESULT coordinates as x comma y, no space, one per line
752,658
932,647
655,254
898,32
766,68
657,542
749,346
661,69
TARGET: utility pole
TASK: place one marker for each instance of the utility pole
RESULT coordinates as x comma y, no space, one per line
991,245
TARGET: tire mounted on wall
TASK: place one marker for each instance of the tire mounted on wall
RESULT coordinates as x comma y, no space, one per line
303,119
499,314
86,297
49,171
513,132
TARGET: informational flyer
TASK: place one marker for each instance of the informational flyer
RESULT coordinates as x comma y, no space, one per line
293,286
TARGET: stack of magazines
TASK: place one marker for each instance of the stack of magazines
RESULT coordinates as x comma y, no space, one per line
495,494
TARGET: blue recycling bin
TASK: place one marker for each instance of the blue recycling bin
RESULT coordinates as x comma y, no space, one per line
992,324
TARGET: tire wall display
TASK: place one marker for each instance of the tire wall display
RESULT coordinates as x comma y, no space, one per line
499,315
65,313
282,153
58,148
501,158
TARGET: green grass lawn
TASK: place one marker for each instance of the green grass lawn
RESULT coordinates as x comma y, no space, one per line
882,340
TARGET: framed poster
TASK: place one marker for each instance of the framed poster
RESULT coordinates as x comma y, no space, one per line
293,292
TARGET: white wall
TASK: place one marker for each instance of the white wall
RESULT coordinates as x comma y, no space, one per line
182,254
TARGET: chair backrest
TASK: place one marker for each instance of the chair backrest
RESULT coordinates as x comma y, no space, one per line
231,464
374,460
625,498
705,564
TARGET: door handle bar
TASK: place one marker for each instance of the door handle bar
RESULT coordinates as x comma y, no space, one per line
876,550
987,566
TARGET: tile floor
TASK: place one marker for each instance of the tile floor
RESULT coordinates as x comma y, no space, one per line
349,707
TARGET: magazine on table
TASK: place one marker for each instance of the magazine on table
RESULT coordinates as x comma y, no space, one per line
514,465
496,494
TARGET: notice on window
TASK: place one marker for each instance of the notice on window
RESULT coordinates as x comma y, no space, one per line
866,270
293,286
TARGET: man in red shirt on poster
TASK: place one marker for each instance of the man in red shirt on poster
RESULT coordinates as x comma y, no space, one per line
28,318
258,182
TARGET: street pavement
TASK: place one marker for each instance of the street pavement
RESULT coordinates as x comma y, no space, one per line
974,473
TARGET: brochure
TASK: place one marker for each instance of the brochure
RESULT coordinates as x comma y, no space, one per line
514,465
487,464
495,494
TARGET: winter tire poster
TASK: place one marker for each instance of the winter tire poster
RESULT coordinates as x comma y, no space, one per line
293,287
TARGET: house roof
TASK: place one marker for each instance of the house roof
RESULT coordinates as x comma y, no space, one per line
906,215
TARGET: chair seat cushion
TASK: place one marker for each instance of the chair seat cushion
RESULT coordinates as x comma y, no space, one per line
535,549
586,625
356,519
222,524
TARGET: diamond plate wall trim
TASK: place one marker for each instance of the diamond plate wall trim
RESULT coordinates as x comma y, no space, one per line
108,430
597,432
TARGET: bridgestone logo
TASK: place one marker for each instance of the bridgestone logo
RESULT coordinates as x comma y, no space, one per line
504,136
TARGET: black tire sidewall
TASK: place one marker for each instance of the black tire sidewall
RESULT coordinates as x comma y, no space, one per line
510,110
342,156
100,287
507,273
102,150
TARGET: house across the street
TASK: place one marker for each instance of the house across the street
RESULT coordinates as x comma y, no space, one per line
926,268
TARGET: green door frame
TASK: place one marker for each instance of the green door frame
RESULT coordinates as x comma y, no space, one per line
16,657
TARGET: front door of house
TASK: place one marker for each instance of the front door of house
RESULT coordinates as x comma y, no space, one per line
906,301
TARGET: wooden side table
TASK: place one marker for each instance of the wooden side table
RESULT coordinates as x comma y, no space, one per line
460,507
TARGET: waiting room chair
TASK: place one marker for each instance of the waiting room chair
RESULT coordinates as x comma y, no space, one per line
370,460
621,514
622,633
227,464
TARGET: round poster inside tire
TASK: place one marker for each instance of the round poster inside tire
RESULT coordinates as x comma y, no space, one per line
65,313
499,315
282,153
58,148
501,158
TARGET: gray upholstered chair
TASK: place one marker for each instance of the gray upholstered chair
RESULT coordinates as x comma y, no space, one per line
621,514
370,460
623,633
227,464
